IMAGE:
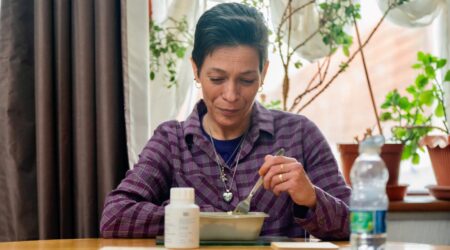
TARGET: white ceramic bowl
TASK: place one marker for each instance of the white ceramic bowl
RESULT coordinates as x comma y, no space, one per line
226,226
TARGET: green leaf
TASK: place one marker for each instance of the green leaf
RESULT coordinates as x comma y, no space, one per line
152,75
439,111
432,58
441,63
421,81
323,6
417,66
180,52
399,133
415,158
420,56
336,6
447,76
411,89
422,119
427,59
386,116
403,103
430,71
348,40
406,152
349,10
385,105
395,97
343,65
389,95
426,97
346,51
298,64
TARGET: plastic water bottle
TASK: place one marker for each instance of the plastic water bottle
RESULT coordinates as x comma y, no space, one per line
369,202
181,220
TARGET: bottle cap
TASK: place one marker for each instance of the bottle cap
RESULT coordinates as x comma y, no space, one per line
182,194
372,144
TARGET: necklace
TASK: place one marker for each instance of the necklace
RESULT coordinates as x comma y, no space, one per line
227,195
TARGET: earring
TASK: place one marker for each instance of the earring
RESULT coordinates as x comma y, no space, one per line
260,88
197,84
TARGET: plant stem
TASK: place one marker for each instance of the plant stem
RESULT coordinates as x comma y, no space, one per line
284,18
441,100
350,59
288,59
308,89
304,42
366,73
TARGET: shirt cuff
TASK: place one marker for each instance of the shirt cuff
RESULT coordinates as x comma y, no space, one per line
312,218
300,211
328,219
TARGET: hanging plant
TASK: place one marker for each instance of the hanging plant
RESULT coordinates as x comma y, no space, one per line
168,44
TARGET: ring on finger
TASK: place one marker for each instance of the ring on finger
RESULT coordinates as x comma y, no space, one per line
280,176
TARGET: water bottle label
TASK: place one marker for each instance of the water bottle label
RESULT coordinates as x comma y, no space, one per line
369,222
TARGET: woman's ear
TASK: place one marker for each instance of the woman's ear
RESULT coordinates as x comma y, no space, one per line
194,70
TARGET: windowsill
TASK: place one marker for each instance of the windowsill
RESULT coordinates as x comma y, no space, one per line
419,203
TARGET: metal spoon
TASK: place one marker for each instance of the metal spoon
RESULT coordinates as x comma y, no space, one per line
244,206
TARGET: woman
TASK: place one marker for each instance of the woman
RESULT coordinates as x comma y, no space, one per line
228,141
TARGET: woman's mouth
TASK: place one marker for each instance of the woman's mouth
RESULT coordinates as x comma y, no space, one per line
229,112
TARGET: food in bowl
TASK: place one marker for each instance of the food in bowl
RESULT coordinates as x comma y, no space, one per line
231,226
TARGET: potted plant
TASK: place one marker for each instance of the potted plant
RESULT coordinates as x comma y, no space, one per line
413,116
390,153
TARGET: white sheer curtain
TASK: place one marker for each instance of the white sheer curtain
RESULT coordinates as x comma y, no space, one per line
149,103
444,47
136,72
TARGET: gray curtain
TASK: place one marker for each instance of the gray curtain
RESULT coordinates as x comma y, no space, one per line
62,130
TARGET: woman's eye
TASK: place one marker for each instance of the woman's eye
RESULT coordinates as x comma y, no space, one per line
216,80
248,81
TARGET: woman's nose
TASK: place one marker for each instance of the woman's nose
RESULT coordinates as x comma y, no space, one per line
230,91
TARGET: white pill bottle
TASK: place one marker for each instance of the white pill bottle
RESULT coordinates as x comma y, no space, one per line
181,220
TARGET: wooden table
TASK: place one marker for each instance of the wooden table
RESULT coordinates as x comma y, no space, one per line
149,244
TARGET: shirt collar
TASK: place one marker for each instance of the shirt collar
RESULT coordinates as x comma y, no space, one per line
262,120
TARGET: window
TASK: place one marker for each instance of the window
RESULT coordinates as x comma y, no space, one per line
344,110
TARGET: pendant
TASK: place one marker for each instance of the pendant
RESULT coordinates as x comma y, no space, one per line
223,177
227,196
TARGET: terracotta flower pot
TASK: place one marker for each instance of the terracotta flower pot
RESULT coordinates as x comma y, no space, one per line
390,153
396,192
439,151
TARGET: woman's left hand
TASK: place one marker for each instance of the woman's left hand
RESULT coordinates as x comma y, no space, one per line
285,174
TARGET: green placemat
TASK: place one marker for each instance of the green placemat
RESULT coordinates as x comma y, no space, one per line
261,241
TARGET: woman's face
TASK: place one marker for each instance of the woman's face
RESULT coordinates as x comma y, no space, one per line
230,79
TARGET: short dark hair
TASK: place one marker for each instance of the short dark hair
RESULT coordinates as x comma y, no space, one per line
230,24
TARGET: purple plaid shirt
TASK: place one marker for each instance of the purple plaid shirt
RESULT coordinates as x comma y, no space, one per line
180,155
